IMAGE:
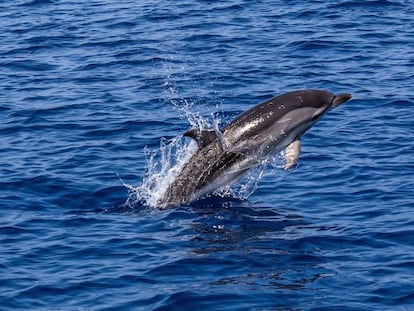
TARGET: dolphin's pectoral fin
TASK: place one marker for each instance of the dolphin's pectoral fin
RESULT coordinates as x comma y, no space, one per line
292,154
202,137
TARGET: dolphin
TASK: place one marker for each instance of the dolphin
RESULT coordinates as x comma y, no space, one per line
223,157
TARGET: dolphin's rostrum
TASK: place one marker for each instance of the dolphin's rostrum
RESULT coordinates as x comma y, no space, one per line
225,156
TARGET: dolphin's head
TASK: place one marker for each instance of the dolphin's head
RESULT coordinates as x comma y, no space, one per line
319,102
301,110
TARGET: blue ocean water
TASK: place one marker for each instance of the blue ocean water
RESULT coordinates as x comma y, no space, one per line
89,88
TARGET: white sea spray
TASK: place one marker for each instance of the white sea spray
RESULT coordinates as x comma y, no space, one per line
161,169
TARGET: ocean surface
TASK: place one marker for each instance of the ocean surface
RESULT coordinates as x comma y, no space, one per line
94,98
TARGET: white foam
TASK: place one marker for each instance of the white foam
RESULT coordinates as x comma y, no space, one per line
161,169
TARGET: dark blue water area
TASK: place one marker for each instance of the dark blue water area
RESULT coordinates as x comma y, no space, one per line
86,86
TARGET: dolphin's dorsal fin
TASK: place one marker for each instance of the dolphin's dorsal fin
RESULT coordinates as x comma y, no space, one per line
292,153
202,137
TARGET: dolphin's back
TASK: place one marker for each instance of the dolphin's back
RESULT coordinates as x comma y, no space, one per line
279,105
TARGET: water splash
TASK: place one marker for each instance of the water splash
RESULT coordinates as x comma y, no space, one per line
161,169
163,165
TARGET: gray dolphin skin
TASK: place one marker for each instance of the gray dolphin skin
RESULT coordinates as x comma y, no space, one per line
223,157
